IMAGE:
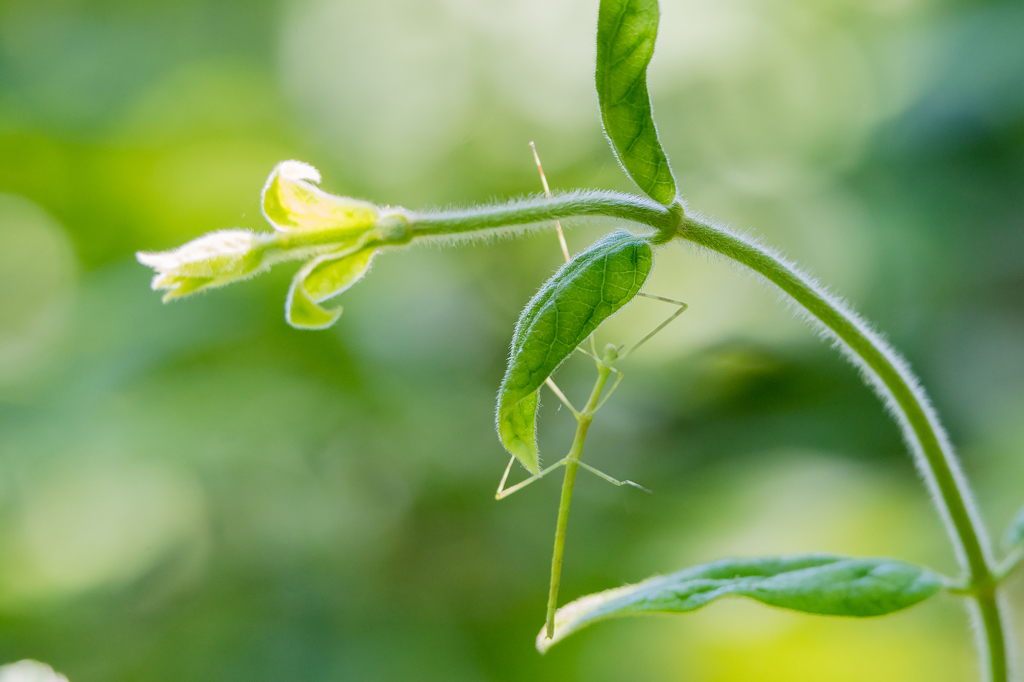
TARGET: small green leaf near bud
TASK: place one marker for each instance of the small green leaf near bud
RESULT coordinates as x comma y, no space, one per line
322,278
564,312
292,202
822,584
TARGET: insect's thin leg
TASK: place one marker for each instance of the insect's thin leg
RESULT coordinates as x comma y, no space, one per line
618,380
673,316
503,493
602,363
592,356
504,477
561,396
612,480
655,297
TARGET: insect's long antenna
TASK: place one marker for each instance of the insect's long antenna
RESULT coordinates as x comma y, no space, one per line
547,193
561,396
558,224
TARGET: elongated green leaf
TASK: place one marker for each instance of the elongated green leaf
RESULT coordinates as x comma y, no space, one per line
1015,533
626,30
566,310
823,584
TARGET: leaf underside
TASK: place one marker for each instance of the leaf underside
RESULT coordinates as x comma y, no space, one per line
626,30
821,584
563,313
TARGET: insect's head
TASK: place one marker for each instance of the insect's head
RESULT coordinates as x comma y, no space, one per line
611,353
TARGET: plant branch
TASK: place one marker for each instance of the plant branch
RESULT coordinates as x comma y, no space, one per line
902,394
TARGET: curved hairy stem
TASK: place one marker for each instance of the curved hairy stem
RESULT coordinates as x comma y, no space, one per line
899,389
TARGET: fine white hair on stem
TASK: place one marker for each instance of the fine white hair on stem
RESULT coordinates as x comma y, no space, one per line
534,212
979,630
494,234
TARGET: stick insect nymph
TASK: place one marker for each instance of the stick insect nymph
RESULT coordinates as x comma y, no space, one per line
572,462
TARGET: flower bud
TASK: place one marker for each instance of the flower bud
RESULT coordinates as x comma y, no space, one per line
212,260
291,202
336,236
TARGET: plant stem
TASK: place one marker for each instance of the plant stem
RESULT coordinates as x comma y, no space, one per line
583,421
900,391
541,209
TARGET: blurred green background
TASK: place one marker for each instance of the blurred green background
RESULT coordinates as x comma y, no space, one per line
198,492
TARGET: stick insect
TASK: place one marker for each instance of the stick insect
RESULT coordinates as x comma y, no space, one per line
606,365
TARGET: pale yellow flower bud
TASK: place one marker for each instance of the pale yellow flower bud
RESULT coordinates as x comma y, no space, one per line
337,236
212,260
292,202
29,671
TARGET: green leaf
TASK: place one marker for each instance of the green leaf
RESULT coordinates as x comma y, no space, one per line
320,279
626,30
823,584
566,310
1015,533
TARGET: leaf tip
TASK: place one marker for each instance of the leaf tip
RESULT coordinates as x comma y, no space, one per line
516,425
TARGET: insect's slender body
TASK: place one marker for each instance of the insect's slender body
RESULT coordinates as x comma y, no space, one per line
572,464
573,461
